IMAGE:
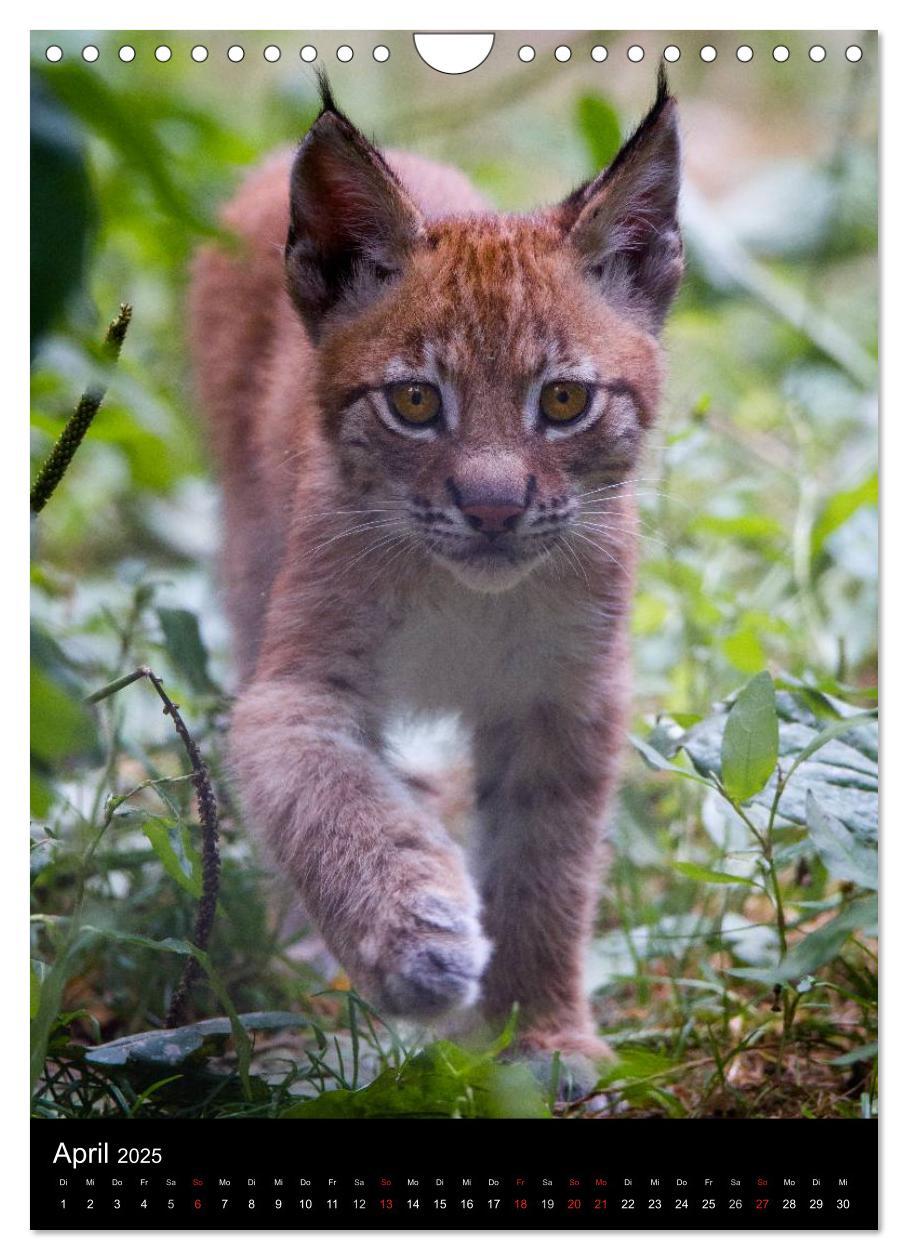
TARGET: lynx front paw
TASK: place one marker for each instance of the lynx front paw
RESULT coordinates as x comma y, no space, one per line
432,958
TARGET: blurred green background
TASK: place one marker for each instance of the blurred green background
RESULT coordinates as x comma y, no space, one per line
759,503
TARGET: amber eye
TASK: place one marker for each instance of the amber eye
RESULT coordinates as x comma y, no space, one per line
415,402
564,401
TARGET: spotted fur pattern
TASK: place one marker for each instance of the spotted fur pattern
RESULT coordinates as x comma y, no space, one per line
365,581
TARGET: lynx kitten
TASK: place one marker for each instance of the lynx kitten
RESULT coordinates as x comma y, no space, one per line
426,417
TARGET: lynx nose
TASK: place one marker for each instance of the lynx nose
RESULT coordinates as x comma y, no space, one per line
492,518
493,497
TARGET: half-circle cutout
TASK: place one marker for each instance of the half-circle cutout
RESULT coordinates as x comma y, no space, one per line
453,52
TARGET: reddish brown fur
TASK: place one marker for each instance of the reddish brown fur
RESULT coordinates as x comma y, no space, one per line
336,523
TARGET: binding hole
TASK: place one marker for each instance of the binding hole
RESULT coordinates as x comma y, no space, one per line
599,53
708,53
526,52
308,52
381,52
672,53
817,53
54,53
853,53
745,53
90,53
236,52
272,53
162,53
635,53
127,53
562,53
453,52
344,53
199,53
780,53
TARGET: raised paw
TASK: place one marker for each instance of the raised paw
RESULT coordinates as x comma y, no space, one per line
432,959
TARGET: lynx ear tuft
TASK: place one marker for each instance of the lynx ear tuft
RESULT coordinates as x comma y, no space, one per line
624,223
352,224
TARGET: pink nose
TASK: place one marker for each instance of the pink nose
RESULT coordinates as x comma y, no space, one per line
492,518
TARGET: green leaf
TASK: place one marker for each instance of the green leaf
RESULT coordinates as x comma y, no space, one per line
703,875
816,949
185,649
61,726
175,1047
835,760
840,507
41,796
35,976
113,116
50,1000
750,528
443,1080
174,848
835,730
634,1076
844,856
169,945
857,1055
744,649
750,741
62,210
656,761
600,127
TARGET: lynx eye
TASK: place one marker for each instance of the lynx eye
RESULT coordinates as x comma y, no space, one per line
563,401
415,402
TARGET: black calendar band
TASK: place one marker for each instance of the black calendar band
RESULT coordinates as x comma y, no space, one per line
400,1174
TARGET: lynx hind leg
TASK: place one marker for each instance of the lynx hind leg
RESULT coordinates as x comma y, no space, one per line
569,1064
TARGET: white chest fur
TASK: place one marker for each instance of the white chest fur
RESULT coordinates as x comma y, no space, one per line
481,656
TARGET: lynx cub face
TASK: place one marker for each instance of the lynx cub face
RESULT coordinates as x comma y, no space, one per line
425,415
481,376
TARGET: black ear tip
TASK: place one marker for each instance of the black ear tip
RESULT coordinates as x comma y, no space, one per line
663,91
329,104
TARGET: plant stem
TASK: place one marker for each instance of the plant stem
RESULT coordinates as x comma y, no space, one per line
208,818
66,445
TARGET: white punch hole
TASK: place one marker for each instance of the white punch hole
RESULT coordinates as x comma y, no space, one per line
526,52
126,53
308,52
853,53
599,53
635,53
90,53
781,53
745,53
672,53
199,53
162,53
453,52
708,53
54,53
562,53
272,53
381,52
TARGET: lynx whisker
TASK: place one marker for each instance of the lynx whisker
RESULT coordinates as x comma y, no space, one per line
581,533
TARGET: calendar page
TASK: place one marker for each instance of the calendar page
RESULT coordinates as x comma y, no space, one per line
454,652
